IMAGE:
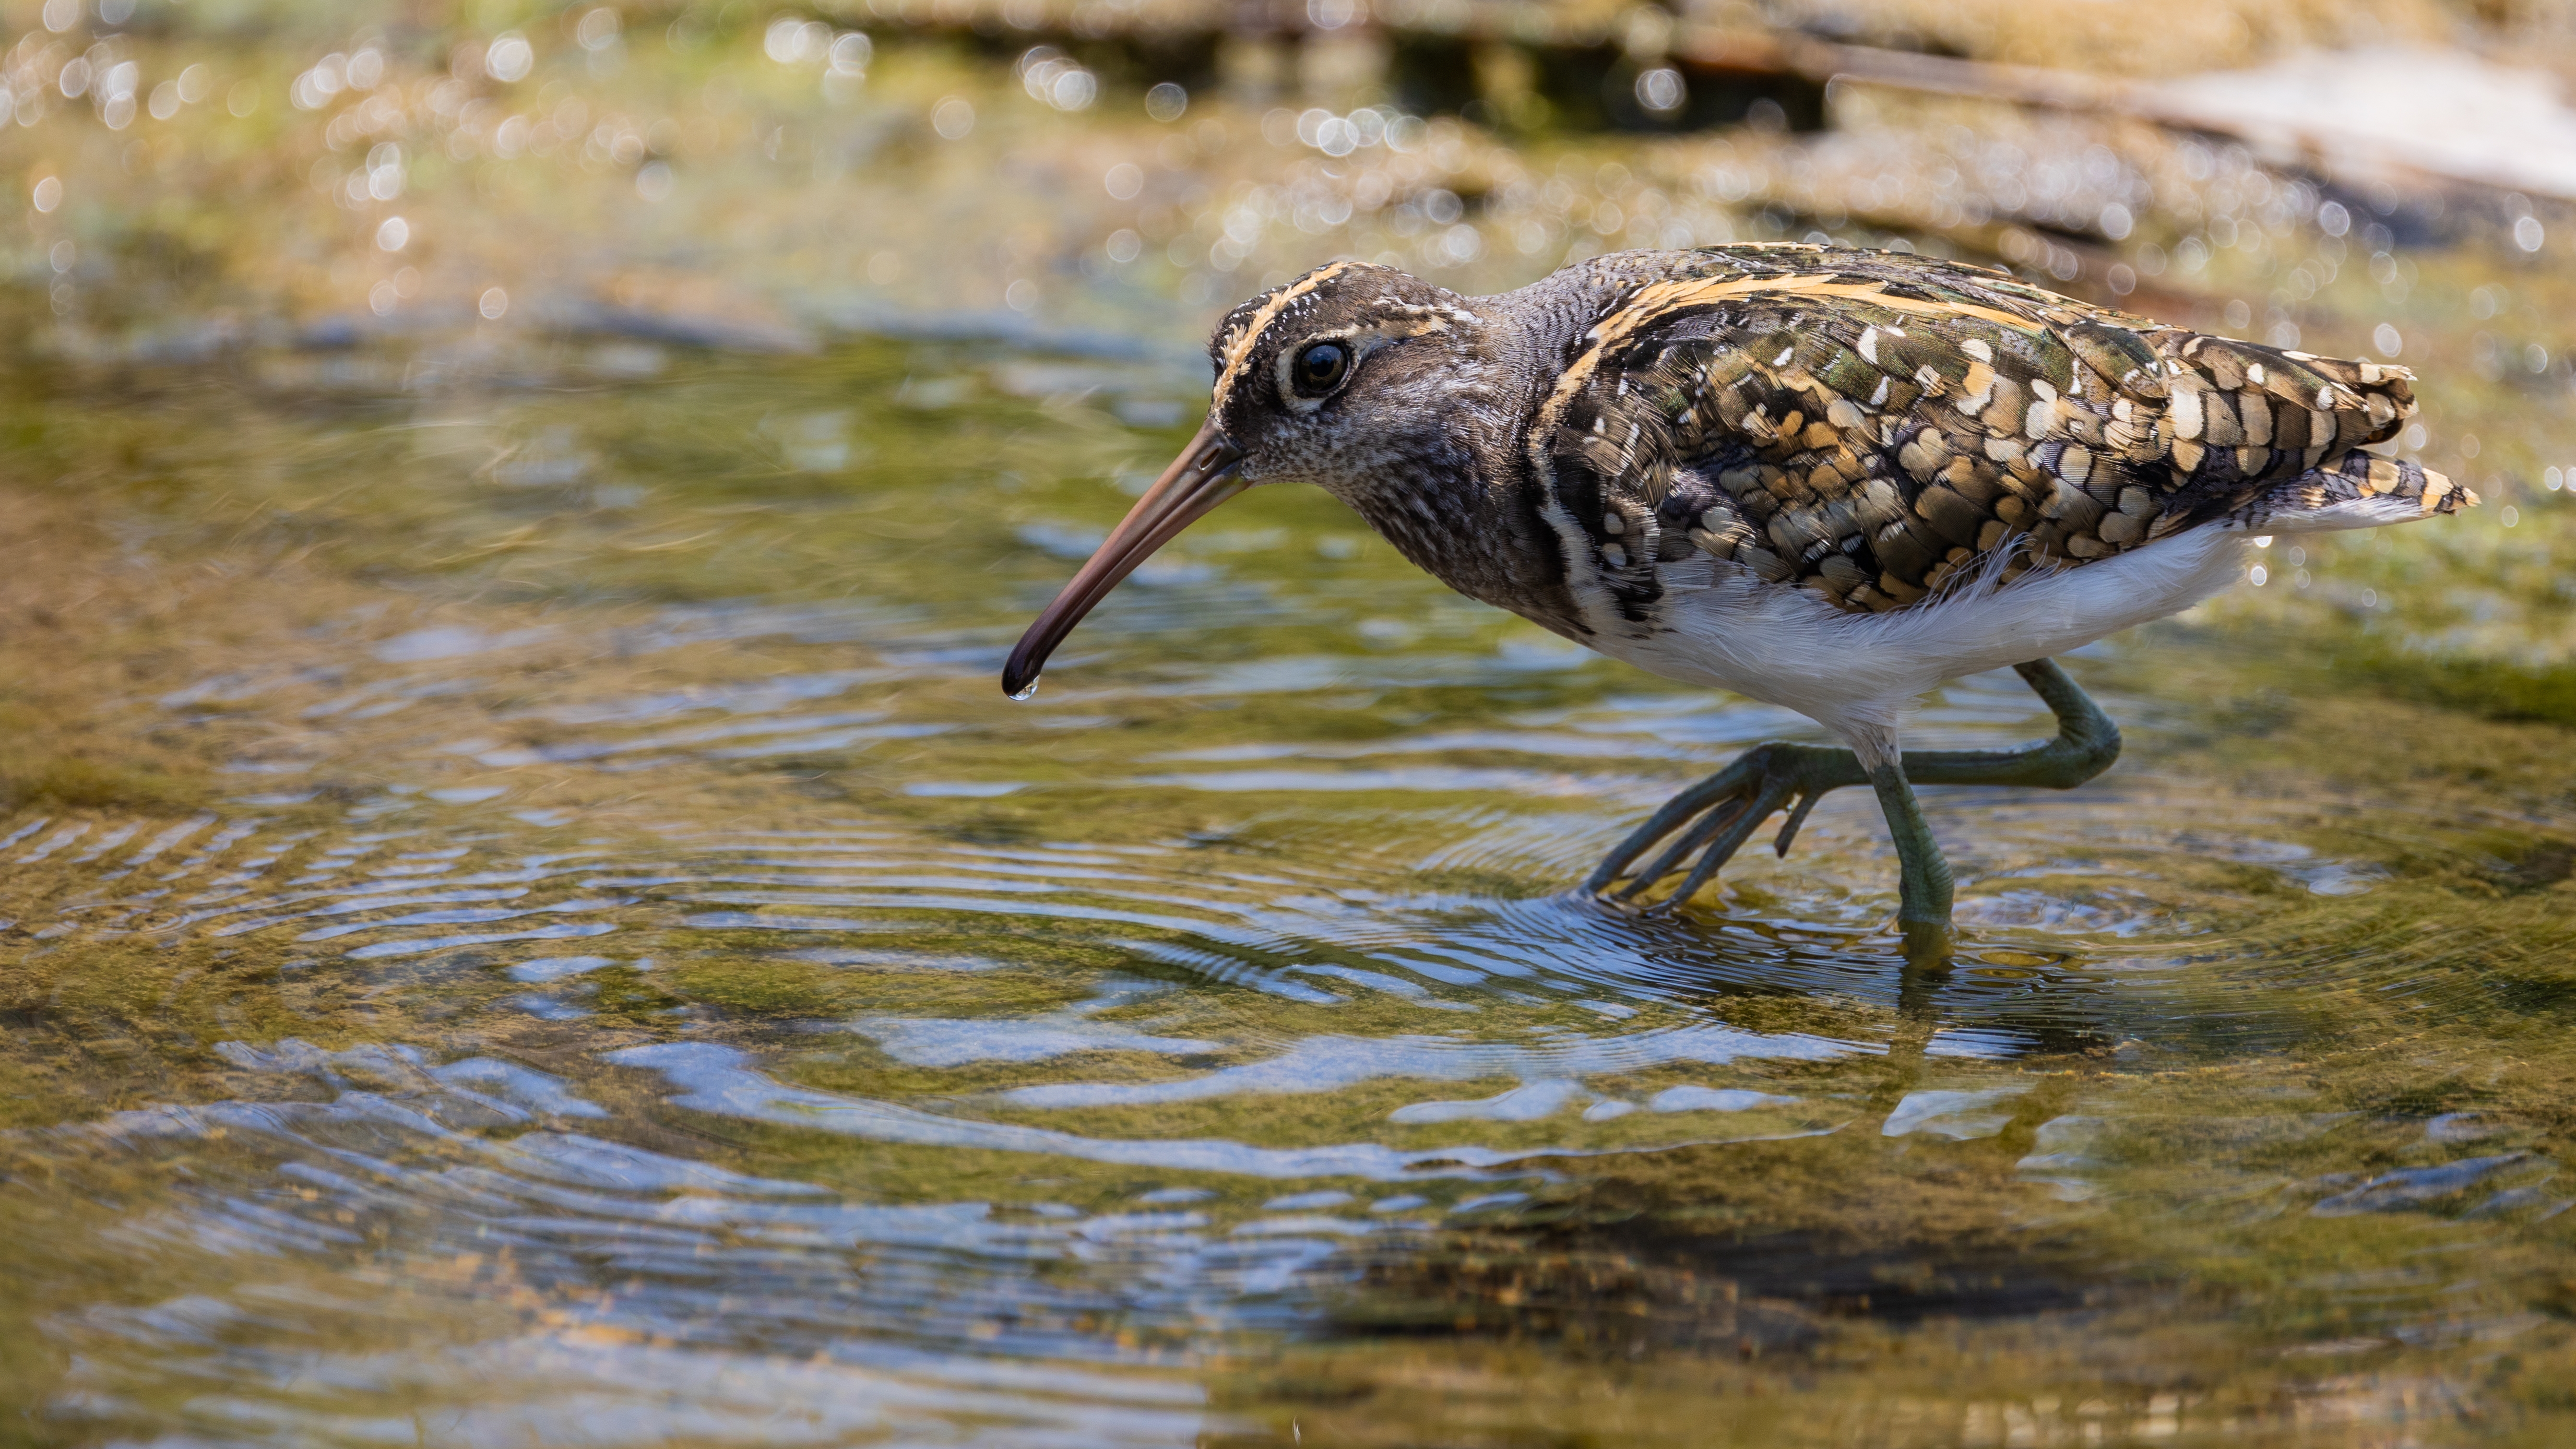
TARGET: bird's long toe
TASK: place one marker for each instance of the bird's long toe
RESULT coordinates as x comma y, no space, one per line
1713,792
1713,819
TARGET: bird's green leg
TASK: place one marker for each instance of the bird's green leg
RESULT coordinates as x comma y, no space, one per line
1716,816
1922,873
2086,743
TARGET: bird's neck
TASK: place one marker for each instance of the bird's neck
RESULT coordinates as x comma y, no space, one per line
1465,504
1467,514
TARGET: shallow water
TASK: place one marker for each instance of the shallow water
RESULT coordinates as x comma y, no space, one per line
529,920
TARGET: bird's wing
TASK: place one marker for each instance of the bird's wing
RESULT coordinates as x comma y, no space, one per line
1872,425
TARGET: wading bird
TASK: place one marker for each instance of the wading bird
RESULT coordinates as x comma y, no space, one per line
1826,478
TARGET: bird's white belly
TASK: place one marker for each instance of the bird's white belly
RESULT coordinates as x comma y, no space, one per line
1853,673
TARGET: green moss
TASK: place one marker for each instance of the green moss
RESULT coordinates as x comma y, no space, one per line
2494,688
76,783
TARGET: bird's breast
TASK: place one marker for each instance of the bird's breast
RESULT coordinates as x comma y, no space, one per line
1483,540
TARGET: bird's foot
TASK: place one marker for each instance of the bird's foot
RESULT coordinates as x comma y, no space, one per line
1930,943
1715,817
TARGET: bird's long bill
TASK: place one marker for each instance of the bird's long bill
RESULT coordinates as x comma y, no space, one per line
1200,479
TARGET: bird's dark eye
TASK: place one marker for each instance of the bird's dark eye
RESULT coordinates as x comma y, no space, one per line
1321,368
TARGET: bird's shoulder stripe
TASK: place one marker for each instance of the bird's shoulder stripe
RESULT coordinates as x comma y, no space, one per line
1663,301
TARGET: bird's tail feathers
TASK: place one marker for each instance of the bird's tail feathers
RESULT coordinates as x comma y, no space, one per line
2357,490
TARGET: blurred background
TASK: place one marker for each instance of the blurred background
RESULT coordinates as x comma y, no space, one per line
283,182
524,917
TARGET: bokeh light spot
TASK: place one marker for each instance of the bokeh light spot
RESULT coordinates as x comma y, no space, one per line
1661,91
509,58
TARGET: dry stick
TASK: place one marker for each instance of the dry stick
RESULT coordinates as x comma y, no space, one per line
1822,61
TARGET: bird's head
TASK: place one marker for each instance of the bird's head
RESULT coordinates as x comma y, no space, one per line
1347,378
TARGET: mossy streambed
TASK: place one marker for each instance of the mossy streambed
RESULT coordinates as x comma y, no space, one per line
528,918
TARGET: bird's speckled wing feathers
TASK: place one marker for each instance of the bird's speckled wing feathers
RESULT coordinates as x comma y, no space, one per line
1869,425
